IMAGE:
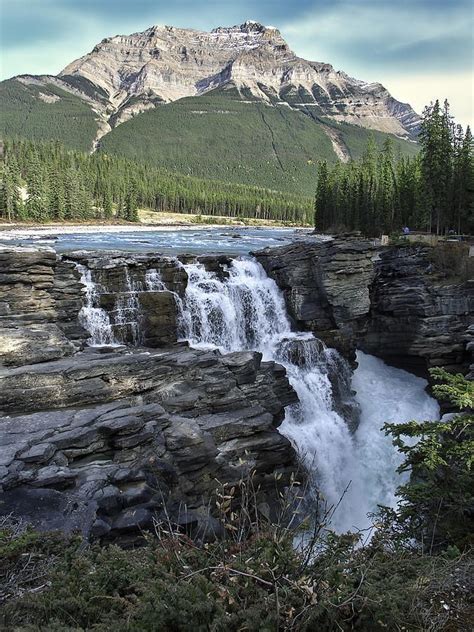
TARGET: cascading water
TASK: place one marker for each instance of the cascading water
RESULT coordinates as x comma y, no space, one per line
93,318
243,309
127,307
153,282
385,394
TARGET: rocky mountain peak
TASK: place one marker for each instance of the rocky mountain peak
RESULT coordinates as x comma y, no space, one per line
250,26
167,63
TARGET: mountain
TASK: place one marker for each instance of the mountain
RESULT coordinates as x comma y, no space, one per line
234,103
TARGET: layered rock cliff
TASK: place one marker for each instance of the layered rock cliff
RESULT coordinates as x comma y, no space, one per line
412,305
107,440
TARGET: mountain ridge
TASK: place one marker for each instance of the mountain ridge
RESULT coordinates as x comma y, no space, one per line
167,63
233,102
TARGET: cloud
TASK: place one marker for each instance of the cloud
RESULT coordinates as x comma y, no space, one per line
370,35
420,89
374,40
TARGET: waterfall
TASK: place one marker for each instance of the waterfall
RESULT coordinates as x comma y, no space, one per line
336,434
127,308
153,282
244,309
119,325
92,317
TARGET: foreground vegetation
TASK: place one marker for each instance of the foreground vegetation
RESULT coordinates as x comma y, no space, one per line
383,191
60,184
415,573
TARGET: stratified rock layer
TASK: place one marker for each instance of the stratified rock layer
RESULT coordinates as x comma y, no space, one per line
326,285
412,305
422,306
107,440
127,437
165,63
40,298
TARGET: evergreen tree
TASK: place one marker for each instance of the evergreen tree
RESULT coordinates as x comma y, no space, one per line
131,203
107,204
322,210
436,161
37,186
383,192
11,202
464,170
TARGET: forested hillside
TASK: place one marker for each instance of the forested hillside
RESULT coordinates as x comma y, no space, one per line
227,136
223,135
45,182
38,112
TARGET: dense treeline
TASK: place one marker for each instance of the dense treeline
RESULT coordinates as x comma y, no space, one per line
42,181
383,192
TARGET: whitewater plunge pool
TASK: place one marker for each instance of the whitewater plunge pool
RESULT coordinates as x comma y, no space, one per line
197,240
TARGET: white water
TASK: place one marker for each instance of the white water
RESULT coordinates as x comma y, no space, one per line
93,318
153,282
127,307
385,394
244,309
247,311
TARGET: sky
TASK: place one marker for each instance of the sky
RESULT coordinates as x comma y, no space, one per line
419,49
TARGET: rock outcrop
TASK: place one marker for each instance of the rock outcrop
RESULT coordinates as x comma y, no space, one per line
412,305
40,299
422,305
326,285
107,440
125,437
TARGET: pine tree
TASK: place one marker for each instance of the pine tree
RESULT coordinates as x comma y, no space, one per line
38,191
107,204
436,162
11,204
73,203
464,168
322,201
131,203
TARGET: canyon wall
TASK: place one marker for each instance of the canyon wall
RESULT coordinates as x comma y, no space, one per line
107,439
411,305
